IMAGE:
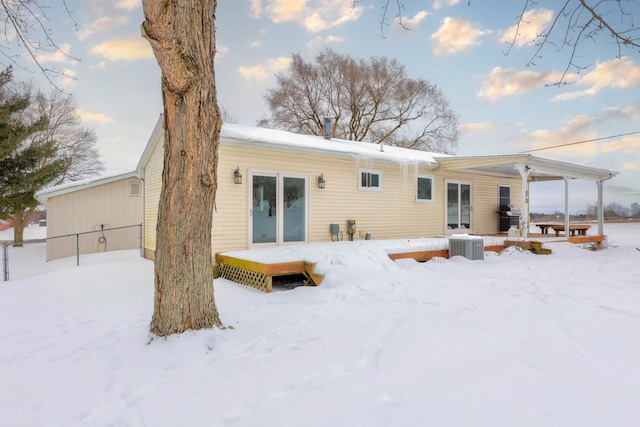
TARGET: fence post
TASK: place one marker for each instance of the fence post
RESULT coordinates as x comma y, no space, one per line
78,249
5,262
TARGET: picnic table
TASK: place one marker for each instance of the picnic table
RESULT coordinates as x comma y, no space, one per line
574,229
544,227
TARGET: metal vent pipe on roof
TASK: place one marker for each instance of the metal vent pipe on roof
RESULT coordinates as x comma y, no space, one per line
327,127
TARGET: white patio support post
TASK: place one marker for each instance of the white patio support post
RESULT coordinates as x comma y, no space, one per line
600,210
524,174
566,205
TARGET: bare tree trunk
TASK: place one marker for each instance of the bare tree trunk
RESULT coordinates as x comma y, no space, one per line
18,229
181,33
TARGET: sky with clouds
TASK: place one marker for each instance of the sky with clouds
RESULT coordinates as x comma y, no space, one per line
463,47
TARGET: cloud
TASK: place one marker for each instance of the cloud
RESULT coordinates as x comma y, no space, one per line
256,8
314,16
532,25
468,128
580,128
285,10
576,129
94,117
631,166
61,55
255,44
318,42
69,77
128,4
455,35
507,82
630,112
438,4
123,49
221,51
630,144
412,22
617,73
264,71
103,24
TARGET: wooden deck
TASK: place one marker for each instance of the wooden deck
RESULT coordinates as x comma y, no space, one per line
535,242
260,275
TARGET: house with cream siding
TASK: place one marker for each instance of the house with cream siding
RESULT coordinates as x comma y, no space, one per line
279,188
93,215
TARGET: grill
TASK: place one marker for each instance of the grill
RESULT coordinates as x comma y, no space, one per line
509,217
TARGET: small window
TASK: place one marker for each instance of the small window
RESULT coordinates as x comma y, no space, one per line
424,191
370,180
134,189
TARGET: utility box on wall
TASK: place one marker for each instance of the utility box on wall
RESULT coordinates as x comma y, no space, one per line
468,246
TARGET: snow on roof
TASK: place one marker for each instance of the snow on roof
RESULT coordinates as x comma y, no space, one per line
244,134
44,195
320,143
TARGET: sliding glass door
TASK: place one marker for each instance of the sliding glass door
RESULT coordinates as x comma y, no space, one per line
278,208
458,205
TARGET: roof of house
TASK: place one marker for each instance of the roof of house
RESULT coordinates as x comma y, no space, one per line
536,168
43,195
243,134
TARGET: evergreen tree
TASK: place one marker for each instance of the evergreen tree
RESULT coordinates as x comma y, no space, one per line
24,168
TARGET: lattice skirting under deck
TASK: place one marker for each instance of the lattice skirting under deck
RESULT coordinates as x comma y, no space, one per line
260,281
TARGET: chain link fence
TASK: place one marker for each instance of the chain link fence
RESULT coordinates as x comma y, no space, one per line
91,247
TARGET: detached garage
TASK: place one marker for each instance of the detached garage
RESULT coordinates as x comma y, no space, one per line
95,215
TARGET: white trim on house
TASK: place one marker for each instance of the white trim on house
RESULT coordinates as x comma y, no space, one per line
432,179
540,168
459,183
156,134
369,180
43,195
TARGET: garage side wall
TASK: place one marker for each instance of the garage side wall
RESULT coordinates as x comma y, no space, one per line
103,207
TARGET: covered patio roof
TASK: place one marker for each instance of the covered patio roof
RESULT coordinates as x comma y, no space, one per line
540,168
532,168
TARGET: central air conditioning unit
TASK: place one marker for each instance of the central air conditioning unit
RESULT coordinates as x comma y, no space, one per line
468,246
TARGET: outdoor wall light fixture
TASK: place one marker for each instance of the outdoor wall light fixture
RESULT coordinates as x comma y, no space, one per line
321,181
237,176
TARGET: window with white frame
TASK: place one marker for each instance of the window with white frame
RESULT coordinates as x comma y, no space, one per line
424,188
370,180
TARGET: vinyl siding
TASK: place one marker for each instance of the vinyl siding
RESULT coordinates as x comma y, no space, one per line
392,213
152,186
105,207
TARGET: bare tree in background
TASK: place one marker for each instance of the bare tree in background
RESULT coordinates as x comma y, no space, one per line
72,140
368,100
576,24
616,210
182,36
26,24
227,116
55,150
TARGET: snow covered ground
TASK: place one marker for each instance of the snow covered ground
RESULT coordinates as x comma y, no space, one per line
32,232
514,340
